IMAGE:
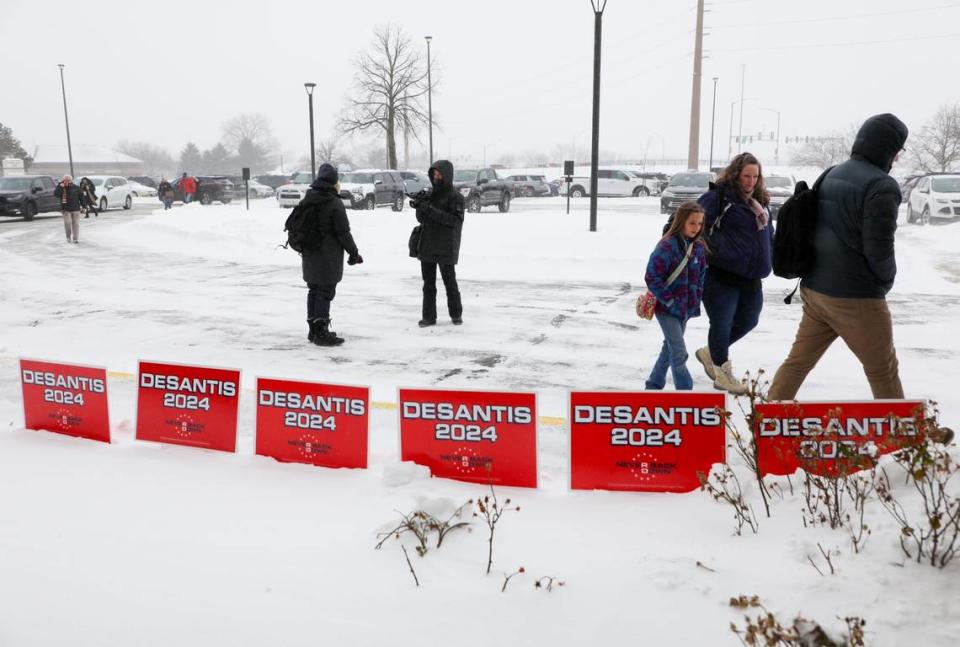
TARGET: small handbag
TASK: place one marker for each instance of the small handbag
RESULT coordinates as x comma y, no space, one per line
414,243
647,302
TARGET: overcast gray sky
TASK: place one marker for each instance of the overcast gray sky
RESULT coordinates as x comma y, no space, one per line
517,74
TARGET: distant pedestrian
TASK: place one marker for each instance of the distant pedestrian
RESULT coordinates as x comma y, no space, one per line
188,187
165,191
323,267
88,198
69,195
844,293
440,214
675,275
740,258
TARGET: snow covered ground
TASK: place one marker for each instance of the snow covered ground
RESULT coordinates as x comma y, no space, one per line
143,544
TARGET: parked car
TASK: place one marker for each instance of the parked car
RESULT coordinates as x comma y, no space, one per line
291,193
655,182
113,191
144,180
210,189
415,181
908,185
780,188
24,196
935,196
257,190
367,188
530,185
689,185
142,190
610,183
482,187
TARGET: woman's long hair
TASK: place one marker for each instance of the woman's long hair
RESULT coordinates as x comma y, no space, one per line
731,176
679,219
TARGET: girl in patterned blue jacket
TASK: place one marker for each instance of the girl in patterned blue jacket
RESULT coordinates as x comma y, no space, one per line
678,302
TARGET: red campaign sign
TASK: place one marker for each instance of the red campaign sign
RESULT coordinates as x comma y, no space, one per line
317,424
475,436
832,438
65,398
644,441
188,405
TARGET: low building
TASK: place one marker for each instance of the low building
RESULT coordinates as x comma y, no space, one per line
87,160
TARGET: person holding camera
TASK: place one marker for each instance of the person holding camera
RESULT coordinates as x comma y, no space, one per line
323,266
440,214
69,195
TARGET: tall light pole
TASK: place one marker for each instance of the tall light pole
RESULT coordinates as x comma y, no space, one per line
693,152
429,100
730,132
776,151
313,150
66,119
713,120
598,8
743,74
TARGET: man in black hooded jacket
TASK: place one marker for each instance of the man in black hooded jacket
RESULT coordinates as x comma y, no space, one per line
323,266
844,294
440,215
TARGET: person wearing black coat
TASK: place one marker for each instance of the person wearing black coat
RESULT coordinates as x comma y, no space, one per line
323,266
844,293
69,195
440,215
88,197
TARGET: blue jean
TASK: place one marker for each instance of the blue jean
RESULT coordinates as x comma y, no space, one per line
733,312
167,202
319,297
673,355
187,198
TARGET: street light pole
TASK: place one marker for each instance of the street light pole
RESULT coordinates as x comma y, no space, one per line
66,119
598,7
429,100
776,150
713,120
313,150
743,74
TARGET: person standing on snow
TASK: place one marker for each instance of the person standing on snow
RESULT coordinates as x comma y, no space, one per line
88,197
440,214
69,195
188,187
165,191
323,266
844,293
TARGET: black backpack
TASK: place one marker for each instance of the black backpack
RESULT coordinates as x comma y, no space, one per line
796,224
303,234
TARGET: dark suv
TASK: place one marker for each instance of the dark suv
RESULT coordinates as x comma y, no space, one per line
24,196
210,188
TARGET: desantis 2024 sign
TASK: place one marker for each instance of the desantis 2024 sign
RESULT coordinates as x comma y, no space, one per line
832,438
188,405
645,441
65,398
476,436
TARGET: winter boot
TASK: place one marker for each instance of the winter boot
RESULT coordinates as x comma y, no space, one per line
423,323
725,381
323,336
703,356
312,335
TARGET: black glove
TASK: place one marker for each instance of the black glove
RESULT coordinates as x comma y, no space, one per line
355,259
419,198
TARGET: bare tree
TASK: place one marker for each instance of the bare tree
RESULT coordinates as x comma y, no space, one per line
156,161
253,127
329,150
828,150
937,146
389,85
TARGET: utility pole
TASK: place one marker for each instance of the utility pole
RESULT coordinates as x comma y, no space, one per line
66,119
693,153
429,100
598,8
406,134
713,119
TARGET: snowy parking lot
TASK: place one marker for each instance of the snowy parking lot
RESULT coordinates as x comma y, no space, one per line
153,545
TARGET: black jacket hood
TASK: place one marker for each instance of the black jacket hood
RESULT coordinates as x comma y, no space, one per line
446,168
879,140
324,186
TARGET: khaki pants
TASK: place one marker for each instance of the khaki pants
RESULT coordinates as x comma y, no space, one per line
71,224
865,327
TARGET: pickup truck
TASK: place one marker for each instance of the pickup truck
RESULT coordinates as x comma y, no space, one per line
610,183
481,188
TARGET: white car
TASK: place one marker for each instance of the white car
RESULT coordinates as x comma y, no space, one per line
142,190
610,182
258,190
935,196
113,191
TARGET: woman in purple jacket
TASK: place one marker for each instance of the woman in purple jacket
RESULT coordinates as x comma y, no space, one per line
740,236
678,301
